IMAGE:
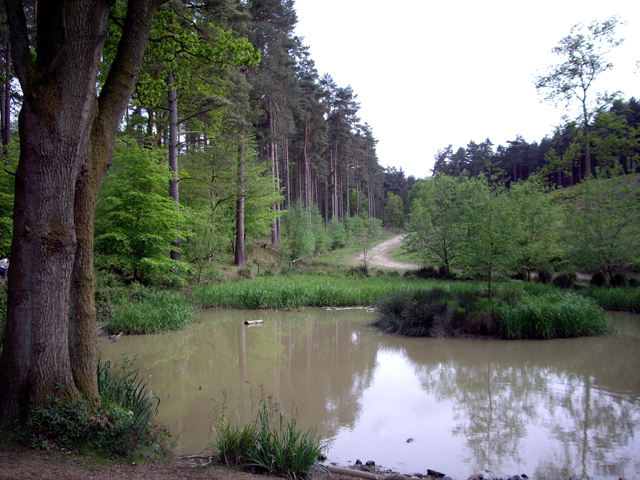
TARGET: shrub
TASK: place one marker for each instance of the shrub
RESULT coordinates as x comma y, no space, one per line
544,276
620,299
515,313
123,424
598,279
245,272
565,280
619,280
337,233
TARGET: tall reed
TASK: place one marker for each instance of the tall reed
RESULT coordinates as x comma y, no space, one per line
617,298
151,311
300,291
272,443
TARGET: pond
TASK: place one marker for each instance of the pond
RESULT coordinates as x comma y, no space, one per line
550,409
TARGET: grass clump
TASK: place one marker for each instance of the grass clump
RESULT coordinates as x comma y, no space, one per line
123,424
618,299
296,291
517,310
446,310
552,315
271,444
146,310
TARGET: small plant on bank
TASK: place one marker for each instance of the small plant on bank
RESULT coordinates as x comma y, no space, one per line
123,424
272,443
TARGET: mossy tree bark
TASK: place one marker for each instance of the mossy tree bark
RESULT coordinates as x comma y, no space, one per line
67,134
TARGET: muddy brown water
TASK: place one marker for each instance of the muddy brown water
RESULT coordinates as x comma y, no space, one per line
549,409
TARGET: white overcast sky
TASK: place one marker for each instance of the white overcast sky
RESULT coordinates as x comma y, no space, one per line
432,73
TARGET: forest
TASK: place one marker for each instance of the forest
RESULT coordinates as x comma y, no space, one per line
232,136
160,142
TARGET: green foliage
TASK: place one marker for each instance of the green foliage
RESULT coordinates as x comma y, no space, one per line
136,220
490,249
3,313
602,228
393,211
355,227
272,442
145,310
437,220
337,234
7,180
536,225
303,232
297,233
210,190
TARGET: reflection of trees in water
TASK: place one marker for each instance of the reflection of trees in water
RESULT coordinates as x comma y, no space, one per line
591,424
189,369
501,387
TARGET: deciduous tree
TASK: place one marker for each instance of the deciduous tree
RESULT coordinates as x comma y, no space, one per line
67,134
584,53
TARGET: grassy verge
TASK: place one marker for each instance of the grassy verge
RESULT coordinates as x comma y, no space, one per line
272,443
516,311
300,291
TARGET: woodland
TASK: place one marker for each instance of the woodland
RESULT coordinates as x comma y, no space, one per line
196,128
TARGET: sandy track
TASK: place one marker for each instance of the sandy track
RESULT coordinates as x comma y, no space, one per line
381,255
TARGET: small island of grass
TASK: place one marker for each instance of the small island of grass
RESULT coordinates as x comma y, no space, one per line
512,313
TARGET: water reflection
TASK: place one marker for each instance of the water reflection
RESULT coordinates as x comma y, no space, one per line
550,409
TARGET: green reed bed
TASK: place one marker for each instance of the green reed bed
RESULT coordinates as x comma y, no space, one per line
617,298
301,291
272,443
552,315
151,311
516,310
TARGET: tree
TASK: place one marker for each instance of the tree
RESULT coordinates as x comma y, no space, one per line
136,218
67,134
490,249
393,211
535,224
584,59
603,233
437,220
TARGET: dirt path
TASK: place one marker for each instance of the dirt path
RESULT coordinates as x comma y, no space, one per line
381,255
22,463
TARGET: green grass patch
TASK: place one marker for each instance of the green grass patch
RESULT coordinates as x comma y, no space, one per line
617,298
296,291
272,443
552,315
517,310
150,311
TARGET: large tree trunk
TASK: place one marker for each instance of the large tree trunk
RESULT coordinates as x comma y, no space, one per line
66,138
